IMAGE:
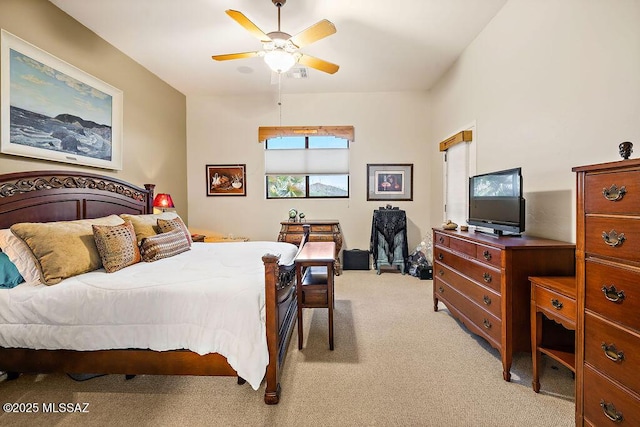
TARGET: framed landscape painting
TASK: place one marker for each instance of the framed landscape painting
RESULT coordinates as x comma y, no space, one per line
390,182
226,180
54,111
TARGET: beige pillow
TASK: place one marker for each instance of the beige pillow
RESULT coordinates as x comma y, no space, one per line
166,225
163,245
147,225
64,248
117,245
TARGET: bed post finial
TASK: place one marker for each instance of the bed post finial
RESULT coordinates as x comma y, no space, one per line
150,188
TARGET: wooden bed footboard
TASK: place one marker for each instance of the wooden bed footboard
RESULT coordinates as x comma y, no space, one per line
68,195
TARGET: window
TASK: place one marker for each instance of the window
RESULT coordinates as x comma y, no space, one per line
312,165
460,160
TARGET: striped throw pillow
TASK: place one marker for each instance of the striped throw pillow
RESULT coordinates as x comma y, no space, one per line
174,224
163,245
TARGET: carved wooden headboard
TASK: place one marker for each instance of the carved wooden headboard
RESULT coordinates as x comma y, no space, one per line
42,196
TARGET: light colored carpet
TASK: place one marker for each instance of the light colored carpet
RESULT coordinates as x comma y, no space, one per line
396,362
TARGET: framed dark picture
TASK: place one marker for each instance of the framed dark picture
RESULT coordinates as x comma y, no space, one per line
54,111
226,180
390,181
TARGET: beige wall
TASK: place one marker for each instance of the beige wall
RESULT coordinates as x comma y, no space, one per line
552,85
154,135
389,128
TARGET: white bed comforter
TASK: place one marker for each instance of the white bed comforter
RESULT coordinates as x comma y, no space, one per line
209,300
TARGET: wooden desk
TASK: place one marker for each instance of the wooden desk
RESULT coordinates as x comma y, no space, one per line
555,298
314,282
327,230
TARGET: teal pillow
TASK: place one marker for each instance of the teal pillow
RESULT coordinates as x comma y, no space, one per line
9,274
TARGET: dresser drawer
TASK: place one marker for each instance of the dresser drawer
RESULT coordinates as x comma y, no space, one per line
617,193
604,400
620,299
485,323
555,305
441,240
462,246
291,238
321,228
293,228
488,254
612,350
627,249
481,273
483,296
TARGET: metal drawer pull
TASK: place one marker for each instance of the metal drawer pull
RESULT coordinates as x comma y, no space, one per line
441,272
441,289
440,256
612,352
486,324
612,294
486,300
612,238
487,277
556,304
610,412
441,239
486,255
614,193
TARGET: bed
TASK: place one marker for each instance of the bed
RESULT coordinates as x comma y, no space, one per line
59,196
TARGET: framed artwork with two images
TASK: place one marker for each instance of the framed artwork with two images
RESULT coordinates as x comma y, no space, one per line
51,110
226,180
387,181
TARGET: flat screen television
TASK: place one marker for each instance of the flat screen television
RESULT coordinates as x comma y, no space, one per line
496,202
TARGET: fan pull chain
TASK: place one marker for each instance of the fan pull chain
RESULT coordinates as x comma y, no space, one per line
280,96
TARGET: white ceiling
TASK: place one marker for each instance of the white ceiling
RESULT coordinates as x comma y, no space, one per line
380,45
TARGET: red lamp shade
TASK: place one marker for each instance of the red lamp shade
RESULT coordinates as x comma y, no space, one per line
163,200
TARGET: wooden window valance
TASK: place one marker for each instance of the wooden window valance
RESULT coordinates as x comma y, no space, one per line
464,136
346,132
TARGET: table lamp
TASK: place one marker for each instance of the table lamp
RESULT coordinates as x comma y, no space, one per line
163,202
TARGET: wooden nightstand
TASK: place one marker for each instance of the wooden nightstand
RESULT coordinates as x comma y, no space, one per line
555,298
198,237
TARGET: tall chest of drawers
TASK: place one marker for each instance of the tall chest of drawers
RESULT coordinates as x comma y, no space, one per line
484,282
608,298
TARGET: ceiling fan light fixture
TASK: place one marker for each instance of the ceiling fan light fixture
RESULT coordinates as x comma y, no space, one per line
280,61
280,49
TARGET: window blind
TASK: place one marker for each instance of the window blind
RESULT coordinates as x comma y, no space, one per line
318,161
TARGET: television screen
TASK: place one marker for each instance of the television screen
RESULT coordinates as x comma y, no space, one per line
496,202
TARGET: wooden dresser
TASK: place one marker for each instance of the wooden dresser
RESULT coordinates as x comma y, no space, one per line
608,298
320,231
484,282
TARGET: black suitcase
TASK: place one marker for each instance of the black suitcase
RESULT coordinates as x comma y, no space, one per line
355,259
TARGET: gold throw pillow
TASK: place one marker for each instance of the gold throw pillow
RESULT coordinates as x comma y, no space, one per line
64,248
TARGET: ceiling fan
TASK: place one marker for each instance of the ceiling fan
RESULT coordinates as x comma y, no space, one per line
280,50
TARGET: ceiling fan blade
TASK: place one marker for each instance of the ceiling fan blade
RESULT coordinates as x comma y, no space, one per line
248,25
318,64
314,33
229,56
